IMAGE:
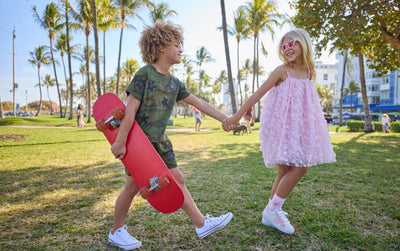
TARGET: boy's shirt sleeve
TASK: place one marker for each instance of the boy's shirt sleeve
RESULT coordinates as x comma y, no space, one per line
183,91
136,87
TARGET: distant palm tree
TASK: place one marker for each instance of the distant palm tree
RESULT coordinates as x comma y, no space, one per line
107,19
96,47
127,8
228,58
38,58
202,56
51,21
61,46
129,69
67,10
353,89
326,96
49,82
161,12
241,31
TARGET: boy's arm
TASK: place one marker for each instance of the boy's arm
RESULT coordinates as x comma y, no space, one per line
204,107
118,148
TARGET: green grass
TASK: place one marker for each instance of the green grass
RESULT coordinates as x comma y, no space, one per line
59,185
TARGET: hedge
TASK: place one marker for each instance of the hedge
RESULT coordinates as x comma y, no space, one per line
358,126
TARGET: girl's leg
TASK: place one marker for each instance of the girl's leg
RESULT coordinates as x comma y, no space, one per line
290,180
282,171
123,202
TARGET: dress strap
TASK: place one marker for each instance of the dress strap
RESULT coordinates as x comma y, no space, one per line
287,72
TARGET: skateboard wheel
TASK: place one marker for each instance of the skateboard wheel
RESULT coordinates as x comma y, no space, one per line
163,181
117,113
101,125
145,192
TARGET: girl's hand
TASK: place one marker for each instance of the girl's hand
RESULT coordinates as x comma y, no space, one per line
119,150
229,124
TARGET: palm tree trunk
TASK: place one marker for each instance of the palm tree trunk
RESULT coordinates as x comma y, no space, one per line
119,58
367,117
70,89
238,74
258,84
66,83
40,97
228,59
341,89
55,76
104,61
96,48
89,99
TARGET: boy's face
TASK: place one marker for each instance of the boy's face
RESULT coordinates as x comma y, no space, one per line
173,53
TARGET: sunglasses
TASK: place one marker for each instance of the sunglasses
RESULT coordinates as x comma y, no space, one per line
289,45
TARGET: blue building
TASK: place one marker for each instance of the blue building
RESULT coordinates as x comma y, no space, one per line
383,92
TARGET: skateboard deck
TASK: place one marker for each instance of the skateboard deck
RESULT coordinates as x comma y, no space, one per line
142,161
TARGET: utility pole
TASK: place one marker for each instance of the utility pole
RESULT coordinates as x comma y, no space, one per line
14,84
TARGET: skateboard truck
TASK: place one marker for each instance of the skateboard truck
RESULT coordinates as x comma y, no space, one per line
155,184
115,120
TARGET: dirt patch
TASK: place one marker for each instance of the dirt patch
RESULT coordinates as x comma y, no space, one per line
4,137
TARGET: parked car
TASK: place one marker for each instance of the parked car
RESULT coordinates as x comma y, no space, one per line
346,116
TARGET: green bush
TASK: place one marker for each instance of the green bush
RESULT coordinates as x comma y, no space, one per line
378,126
355,125
395,126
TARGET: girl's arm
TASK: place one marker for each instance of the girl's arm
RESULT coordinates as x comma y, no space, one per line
275,78
204,107
118,148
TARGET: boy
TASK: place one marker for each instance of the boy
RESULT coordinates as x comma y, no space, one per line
151,98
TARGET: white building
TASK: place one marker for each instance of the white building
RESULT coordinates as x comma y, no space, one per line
326,74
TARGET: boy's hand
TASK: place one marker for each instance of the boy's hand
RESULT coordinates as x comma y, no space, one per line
229,124
119,150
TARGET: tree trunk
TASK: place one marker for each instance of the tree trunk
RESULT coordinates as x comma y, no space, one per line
89,99
238,75
71,84
367,117
40,97
55,76
119,58
96,48
104,61
341,89
228,59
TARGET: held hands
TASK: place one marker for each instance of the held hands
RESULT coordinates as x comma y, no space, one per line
229,124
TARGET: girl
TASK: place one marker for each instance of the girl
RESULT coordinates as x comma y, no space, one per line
79,116
293,132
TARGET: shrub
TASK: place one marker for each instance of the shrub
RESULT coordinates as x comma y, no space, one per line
395,126
355,125
378,126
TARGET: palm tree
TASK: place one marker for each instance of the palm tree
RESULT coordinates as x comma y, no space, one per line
107,19
129,69
96,47
353,89
61,46
241,31
38,58
161,12
326,96
127,8
51,21
49,82
262,15
202,56
68,9
84,18
228,58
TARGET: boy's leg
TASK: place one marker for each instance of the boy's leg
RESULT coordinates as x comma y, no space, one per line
123,202
188,205
204,225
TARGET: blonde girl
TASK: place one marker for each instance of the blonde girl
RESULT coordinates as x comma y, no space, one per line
293,132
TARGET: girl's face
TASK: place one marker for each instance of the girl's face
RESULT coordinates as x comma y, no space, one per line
291,49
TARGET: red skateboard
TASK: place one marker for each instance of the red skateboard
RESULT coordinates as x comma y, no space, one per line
142,161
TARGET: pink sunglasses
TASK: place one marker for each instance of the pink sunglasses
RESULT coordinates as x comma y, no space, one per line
289,45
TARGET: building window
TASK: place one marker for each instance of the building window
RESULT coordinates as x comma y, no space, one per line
385,95
325,76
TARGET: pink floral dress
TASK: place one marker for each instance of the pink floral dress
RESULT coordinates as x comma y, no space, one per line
293,129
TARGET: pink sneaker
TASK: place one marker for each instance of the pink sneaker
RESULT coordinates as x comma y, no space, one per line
278,220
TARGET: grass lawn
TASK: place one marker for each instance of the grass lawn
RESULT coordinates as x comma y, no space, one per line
59,185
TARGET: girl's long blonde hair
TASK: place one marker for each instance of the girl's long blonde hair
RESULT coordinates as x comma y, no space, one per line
303,38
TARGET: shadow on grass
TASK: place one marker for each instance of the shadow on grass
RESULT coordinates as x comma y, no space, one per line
350,204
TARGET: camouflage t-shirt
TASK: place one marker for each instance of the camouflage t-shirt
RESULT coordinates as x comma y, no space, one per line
157,93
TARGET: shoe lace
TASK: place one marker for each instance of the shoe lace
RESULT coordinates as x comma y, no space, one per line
212,221
124,235
282,215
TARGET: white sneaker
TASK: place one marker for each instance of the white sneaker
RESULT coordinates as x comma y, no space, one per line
122,239
212,224
278,220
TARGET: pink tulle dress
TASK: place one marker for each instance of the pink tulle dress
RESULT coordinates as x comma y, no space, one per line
293,129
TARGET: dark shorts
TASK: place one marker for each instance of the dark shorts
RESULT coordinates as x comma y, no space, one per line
166,153
198,120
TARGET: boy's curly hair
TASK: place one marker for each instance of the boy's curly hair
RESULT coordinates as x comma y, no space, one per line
157,36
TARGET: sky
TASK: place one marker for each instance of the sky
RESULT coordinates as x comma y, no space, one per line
199,20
